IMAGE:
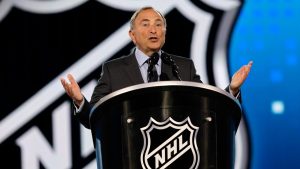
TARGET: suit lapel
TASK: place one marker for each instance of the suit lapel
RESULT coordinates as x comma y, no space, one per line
132,69
166,72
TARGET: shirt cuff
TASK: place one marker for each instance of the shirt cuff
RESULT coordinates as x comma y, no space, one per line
236,96
78,108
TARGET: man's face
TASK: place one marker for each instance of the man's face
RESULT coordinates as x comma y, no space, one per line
148,32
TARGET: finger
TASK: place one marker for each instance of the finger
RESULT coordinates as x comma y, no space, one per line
240,74
63,82
243,70
66,86
248,67
71,79
250,63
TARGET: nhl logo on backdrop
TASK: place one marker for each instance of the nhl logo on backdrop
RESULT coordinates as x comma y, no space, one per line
169,143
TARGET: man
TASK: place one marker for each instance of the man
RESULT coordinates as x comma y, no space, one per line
147,31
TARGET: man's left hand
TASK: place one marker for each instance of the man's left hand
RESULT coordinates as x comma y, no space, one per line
239,77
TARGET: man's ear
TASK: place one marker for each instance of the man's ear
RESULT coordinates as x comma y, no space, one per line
131,34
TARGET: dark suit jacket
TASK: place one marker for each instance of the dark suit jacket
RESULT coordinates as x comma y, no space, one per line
124,72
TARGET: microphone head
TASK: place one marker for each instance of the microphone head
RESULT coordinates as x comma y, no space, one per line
165,58
154,58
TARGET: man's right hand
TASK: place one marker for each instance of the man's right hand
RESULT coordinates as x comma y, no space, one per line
72,89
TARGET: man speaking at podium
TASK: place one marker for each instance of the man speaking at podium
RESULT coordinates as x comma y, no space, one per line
145,64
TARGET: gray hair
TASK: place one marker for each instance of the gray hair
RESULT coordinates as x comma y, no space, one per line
136,13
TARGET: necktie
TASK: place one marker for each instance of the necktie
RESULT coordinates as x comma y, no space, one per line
152,72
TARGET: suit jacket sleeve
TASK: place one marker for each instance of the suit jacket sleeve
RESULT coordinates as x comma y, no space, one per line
102,88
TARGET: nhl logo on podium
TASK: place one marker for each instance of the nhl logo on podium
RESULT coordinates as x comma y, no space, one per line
170,144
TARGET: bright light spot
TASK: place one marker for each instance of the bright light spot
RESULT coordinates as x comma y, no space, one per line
277,107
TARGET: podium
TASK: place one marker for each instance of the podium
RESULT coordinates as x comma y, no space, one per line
169,124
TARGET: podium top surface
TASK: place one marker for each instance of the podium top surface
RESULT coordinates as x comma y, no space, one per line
164,84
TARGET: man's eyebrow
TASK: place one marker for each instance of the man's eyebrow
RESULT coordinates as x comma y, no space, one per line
145,20
160,20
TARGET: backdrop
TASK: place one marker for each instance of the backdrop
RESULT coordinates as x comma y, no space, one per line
43,40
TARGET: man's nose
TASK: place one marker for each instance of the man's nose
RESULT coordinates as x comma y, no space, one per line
152,29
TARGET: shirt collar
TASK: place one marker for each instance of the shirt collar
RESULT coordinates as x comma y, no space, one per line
142,57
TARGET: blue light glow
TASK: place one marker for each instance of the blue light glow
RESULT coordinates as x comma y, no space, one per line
268,31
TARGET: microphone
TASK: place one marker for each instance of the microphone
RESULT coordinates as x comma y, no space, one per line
169,60
153,59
